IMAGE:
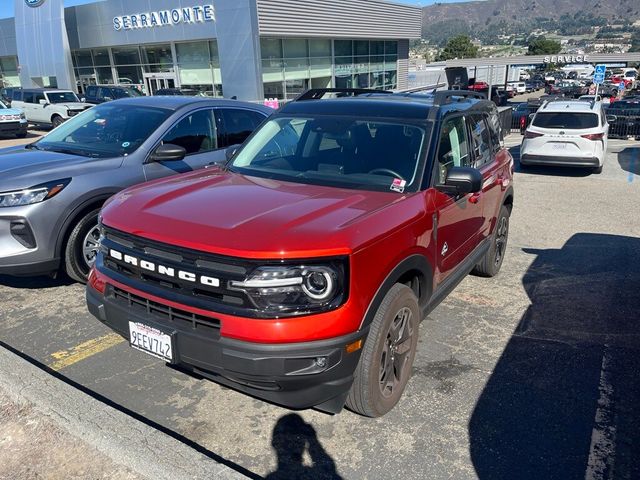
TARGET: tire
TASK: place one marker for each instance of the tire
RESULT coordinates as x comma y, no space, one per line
76,264
56,121
399,312
597,170
490,264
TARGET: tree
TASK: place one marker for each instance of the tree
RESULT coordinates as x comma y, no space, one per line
635,42
542,46
459,46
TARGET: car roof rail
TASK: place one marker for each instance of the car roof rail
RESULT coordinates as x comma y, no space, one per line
318,93
444,97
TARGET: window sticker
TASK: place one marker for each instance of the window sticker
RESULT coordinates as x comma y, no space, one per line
125,144
398,185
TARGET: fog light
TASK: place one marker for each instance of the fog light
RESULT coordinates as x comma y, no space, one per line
321,362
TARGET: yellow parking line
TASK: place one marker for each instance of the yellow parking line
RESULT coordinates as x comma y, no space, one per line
65,358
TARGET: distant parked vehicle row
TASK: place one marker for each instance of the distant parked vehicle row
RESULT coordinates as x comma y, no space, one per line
96,94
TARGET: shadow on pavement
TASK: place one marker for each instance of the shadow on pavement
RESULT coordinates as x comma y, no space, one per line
565,395
35,283
291,437
542,170
629,160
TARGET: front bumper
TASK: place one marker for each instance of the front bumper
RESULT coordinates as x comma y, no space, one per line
13,128
292,375
34,252
528,159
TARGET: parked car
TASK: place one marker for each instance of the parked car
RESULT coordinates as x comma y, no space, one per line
571,89
624,118
51,190
479,87
6,95
375,207
44,106
96,94
567,133
12,121
518,87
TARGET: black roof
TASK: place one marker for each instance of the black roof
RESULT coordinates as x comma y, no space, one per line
415,106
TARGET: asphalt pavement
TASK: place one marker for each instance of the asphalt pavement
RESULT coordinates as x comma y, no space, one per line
529,375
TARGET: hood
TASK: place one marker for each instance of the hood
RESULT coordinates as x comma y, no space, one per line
10,111
231,214
23,168
74,105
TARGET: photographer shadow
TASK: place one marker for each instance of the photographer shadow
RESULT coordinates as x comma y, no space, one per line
291,437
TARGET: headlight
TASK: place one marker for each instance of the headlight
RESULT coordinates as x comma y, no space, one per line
295,289
32,195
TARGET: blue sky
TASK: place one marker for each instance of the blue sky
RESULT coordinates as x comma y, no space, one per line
6,6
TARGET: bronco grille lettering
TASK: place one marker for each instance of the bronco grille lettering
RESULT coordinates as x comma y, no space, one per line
164,270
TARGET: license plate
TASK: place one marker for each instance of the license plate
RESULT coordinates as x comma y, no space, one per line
559,146
151,341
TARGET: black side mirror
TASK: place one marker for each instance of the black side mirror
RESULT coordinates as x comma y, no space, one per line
231,151
462,180
167,153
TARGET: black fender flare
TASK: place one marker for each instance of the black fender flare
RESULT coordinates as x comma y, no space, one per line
415,262
82,203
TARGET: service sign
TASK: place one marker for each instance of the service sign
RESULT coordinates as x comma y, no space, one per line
565,59
162,18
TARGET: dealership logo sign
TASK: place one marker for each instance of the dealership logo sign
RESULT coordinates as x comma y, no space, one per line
34,3
161,18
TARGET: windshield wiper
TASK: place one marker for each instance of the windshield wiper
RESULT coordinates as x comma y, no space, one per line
68,151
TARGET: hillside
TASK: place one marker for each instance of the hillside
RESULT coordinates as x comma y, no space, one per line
490,18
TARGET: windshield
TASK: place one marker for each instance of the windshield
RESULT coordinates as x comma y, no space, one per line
127,92
568,120
62,97
351,152
103,131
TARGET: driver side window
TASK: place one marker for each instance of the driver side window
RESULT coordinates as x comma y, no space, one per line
196,133
453,149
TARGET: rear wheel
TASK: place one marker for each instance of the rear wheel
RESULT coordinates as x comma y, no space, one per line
82,247
490,264
56,121
387,358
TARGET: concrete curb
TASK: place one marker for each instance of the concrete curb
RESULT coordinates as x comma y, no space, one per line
146,451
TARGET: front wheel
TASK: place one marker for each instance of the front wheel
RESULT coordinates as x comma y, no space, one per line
82,247
387,358
56,121
490,264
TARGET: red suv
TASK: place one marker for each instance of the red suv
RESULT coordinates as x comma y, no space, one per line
300,270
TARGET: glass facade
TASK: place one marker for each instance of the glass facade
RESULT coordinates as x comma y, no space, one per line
292,65
9,76
189,65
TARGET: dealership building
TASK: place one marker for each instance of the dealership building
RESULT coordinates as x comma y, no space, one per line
249,49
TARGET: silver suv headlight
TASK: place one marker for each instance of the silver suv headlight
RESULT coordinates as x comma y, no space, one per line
29,196
295,289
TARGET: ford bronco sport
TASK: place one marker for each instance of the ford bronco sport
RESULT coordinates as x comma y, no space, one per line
300,271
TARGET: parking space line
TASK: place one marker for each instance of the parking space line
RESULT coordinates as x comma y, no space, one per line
600,465
66,358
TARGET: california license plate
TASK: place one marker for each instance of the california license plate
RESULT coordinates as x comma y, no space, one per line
150,340
560,146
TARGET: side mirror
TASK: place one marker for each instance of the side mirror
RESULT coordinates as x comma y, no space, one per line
168,153
83,100
106,99
611,118
231,151
462,180
42,102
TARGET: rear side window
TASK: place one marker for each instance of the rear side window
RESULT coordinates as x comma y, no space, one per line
481,141
17,95
495,131
453,148
92,91
567,120
28,97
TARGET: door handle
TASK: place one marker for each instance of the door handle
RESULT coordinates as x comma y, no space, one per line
475,198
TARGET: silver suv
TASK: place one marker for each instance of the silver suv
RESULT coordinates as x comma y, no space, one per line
52,190
46,106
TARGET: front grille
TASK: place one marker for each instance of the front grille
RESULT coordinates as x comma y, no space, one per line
164,312
215,295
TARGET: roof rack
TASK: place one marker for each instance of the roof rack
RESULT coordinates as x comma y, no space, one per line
443,97
318,93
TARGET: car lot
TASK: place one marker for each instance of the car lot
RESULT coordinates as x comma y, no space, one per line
530,374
